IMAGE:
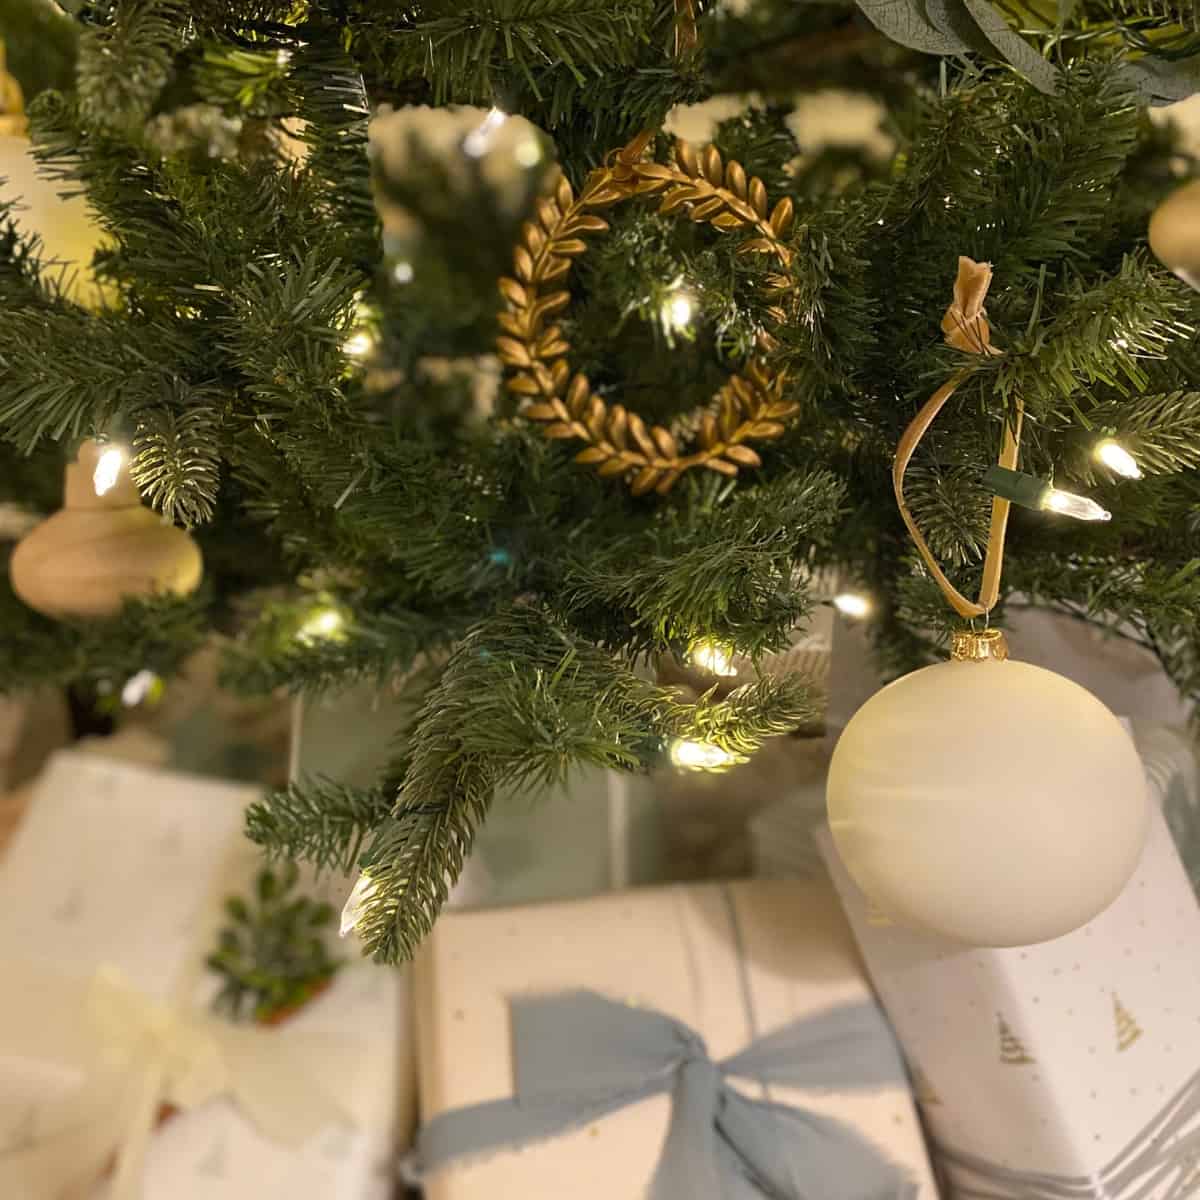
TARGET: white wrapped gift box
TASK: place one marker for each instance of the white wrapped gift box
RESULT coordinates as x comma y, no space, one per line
122,868
1069,1069
732,962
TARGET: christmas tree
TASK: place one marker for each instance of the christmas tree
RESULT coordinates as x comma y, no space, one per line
462,372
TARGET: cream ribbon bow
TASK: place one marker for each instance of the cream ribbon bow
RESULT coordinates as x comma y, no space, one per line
136,1054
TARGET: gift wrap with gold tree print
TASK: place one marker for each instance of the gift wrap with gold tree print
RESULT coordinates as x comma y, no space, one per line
727,966
1069,1070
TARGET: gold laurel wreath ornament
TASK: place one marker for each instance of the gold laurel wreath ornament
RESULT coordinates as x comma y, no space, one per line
750,407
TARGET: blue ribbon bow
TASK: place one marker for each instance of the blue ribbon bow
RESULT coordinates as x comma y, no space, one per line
579,1057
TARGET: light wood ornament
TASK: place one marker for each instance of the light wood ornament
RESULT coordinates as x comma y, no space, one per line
98,551
965,327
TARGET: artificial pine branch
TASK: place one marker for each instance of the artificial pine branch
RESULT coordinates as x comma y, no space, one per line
125,63
519,703
319,820
176,464
1162,431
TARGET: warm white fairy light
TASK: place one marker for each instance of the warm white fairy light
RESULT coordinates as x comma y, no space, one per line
138,687
852,604
1082,508
1114,456
356,904
700,756
108,470
358,344
321,625
708,654
676,310
403,272
477,142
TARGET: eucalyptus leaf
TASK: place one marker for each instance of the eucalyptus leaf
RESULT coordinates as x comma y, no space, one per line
904,21
952,18
1163,82
1015,49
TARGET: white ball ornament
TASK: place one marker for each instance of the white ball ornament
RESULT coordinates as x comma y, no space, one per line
990,802
1175,233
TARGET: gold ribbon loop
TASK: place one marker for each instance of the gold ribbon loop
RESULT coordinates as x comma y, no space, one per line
966,327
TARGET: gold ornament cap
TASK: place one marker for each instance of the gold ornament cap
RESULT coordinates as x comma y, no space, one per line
969,646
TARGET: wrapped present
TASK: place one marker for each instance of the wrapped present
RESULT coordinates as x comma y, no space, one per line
1173,771
1065,1069
112,892
706,1040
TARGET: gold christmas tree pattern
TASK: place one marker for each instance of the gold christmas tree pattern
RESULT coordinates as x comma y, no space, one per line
1128,1030
750,407
1012,1049
924,1092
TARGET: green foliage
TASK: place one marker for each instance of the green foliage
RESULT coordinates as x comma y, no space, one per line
475,52
176,466
125,63
155,635
320,821
1162,431
443,530
519,702
272,956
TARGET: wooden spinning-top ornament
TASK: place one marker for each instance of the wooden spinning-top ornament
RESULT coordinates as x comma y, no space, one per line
1175,233
102,547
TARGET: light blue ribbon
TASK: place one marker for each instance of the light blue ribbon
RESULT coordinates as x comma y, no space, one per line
579,1056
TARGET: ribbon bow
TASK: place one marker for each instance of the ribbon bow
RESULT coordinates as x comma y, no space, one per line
138,1054
579,1057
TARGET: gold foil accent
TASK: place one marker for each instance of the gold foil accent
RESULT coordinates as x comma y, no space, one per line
1128,1030
923,1091
1012,1049
969,646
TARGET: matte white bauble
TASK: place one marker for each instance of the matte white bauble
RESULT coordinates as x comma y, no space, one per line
1175,233
994,803
67,226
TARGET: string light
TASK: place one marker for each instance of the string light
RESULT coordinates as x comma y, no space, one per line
108,470
477,142
323,624
145,684
360,341
1082,508
700,756
402,272
852,604
358,344
356,904
1114,456
707,654
1032,492
676,309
